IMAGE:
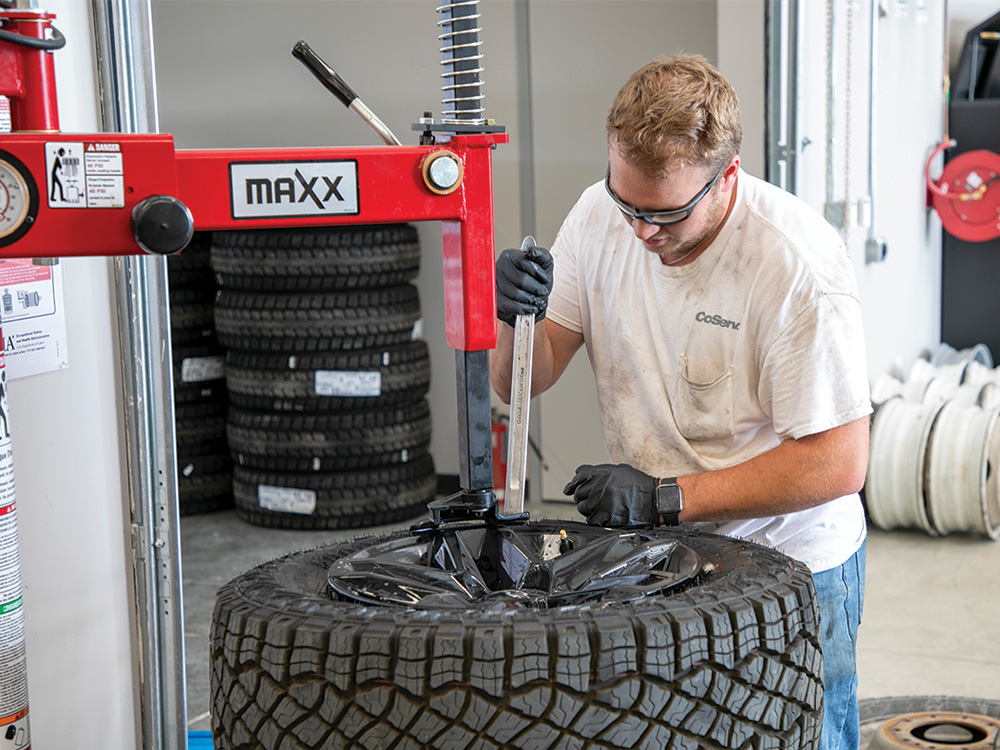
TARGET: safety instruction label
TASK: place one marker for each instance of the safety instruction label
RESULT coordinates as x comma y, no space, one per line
351,384
286,499
84,175
34,322
28,290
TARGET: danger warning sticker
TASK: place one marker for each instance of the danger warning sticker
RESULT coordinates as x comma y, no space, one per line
84,175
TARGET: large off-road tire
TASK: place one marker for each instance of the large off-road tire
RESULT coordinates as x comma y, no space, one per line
309,260
732,661
359,319
334,500
332,381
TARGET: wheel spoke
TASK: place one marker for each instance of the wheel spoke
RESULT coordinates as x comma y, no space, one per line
623,559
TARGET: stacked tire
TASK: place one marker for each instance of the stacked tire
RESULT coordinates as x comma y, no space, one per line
204,469
328,424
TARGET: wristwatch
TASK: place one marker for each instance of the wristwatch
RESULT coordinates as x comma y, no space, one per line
669,500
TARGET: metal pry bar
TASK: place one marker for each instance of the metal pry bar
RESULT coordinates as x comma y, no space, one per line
339,88
520,397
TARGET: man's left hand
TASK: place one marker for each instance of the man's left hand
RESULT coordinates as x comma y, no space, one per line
614,495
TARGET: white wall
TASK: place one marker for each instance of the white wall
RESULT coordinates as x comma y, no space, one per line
741,59
67,440
900,297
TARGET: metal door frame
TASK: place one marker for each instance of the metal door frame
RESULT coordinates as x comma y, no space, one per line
126,80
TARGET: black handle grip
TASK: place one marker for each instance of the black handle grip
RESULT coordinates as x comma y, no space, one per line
324,73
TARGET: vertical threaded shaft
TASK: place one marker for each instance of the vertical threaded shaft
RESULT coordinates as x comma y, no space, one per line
461,60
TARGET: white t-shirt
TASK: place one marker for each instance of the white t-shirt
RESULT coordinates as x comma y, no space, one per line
706,365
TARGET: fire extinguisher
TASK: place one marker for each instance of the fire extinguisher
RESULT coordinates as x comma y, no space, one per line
499,429
14,727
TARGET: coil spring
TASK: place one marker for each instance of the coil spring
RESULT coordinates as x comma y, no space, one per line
461,60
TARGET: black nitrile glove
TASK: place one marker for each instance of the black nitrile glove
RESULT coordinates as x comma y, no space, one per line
614,495
524,280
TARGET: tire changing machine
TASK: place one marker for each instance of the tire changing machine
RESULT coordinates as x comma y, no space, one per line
135,195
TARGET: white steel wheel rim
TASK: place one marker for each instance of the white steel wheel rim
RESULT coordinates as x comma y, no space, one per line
944,353
921,369
885,388
980,353
989,396
915,390
977,372
958,468
895,484
938,391
991,512
924,370
984,394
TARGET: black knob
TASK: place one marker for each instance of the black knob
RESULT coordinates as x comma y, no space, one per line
162,224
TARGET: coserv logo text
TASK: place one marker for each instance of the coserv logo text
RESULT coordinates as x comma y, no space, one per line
717,320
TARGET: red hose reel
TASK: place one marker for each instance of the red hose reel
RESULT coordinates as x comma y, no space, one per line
967,194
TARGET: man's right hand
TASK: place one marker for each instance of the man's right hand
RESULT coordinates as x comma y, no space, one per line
524,280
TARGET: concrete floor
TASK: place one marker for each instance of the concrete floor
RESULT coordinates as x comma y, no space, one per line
931,622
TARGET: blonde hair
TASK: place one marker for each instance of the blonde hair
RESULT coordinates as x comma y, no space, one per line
673,111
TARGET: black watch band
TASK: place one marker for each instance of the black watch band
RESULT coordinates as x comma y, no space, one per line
669,500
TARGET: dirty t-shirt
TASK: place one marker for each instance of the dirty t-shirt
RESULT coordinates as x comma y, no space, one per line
706,365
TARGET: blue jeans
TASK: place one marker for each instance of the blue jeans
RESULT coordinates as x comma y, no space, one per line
841,595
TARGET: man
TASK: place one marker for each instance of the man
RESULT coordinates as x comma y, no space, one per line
722,322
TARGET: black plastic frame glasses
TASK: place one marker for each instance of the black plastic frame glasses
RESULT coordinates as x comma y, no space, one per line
659,218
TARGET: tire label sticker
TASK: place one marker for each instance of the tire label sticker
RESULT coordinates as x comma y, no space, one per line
200,369
285,189
286,499
348,383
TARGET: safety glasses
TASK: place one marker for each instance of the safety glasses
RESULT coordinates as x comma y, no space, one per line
659,218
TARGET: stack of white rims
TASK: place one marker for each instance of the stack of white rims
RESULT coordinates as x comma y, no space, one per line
934,443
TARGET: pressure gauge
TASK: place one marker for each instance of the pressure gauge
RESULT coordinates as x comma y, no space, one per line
18,199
